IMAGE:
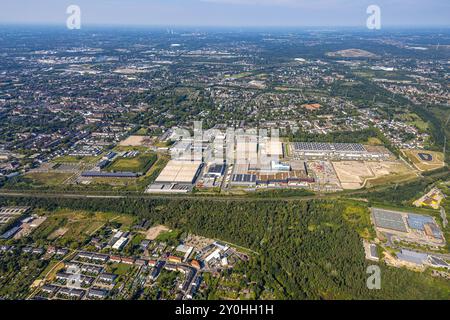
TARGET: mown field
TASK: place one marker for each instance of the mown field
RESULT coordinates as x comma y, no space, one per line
46,178
140,163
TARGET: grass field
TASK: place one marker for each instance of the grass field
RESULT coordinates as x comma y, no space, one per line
171,236
120,148
72,159
120,269
239,75
131,184
436,163
74,227
415,120
152,174
141,132
48,178
140,163
392,178
373,141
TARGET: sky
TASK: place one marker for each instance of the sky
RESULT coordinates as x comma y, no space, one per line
238,13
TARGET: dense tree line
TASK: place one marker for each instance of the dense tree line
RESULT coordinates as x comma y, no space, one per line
17,273
335,137
306,249
400,194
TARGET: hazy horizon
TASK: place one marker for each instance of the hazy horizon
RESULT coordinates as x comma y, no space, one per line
228,13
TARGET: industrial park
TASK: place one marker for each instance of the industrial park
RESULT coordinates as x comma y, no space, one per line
212,157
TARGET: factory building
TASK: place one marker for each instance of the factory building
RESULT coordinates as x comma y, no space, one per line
182,172
337,151
100,174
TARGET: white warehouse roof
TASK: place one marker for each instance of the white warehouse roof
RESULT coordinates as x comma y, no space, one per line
177,171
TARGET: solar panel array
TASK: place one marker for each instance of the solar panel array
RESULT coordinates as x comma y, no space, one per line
388,220
416,221
331,147
218,168
102,174
373,250
243,178
412,256
436,261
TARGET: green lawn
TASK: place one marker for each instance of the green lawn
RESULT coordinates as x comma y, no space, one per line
170,237
120,269
141,132
73,159
47,178
140,163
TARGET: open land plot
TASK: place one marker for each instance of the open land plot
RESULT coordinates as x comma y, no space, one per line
155,231
389,172
351,174
357,174
415,120
76,159
75,226
57,233
239,75
373,141
114,182
47,178
134,184
67,168
425,160
136,141
140,163
352,53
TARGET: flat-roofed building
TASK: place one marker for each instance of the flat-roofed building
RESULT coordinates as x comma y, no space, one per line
107,277
272,147
349,151
243,180
413,257
120,243
101,174
216,170
247,150
8,214
98,293
177,171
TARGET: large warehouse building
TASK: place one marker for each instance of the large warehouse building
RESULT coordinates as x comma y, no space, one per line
339,151
182,172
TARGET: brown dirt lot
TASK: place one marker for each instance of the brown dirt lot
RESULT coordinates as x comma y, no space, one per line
154,232
357,174
135,141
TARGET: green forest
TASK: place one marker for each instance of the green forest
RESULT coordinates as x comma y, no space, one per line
306,249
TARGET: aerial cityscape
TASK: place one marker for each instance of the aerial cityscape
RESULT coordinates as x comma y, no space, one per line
224,163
